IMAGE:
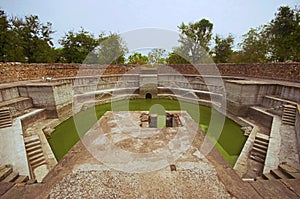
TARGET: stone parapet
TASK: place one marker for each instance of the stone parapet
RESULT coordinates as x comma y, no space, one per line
12,72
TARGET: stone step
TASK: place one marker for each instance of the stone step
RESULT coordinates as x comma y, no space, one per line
257,145
257,159
260,142
290,111
268,176
289,106
289,171
5,172
32,144
257,154
32,138
289,114
290,168
33,148
279,174
5,114
286,112
39,164
21,179
5,125
11,177
262,137
288,117
288,122
35,162
4,109
15,102
34,157
260,151
35,152
3,122
5,119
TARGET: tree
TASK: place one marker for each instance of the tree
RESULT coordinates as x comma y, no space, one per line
195,37
284,35
223,49
137,58
25,40
111,50
178,56
156,56
15,51
4,34
76,46
35,38
254,46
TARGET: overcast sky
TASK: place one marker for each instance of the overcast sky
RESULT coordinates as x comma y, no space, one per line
118,16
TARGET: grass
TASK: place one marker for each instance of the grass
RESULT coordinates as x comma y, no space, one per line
229,142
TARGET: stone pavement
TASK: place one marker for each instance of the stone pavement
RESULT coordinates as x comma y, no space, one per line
80,175
12,148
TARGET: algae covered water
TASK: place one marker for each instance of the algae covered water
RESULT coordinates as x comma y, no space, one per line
67,134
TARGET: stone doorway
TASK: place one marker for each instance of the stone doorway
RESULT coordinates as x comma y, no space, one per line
148,96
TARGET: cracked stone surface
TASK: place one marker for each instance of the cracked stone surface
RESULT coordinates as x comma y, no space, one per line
195,176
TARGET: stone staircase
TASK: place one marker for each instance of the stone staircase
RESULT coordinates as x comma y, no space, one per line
8,178
8,175
5,117
289,114
260,148
284,171
18,105
34,151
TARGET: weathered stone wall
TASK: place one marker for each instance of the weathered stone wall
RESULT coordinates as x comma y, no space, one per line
297,128
8,93
283,71
11,72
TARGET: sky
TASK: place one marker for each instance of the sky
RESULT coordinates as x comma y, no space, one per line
234,17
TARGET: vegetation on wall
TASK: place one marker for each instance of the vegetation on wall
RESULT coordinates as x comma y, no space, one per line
28,40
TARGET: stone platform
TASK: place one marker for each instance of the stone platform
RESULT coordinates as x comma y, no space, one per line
119,159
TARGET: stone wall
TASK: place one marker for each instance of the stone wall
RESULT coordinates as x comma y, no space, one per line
297,128
11,72
8,93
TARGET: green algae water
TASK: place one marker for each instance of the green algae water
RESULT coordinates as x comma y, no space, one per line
229,143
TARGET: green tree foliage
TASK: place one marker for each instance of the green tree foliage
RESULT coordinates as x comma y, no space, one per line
137,58
156,56
37,40
276,41
111,50
25,40
223,49
84,47
195,37
76,46
284,35
4,34
254,46
178,56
